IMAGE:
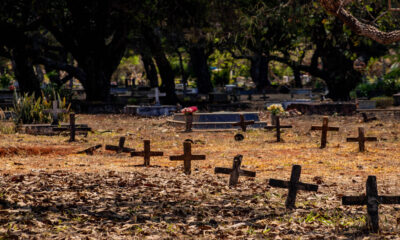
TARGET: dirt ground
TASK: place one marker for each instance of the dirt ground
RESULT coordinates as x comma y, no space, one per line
48,191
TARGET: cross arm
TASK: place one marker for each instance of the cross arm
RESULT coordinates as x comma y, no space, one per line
286,184
278,183
60,129
371,139
116,148
157,154
352,140
247,173
222,170
198,157
177,158
354,200
389,199
137,154
316,128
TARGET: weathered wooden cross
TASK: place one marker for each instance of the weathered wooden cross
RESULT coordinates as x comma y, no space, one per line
89,151
361,139
372,200
146,153
120,148
72,128
187,157
324,128
278,127
366,118
235,171
156,95
293,185
242,123
54,112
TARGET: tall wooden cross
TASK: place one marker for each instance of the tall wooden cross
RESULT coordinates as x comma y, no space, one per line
278,127
372,200
54,112
235,171
361,139
72,128
187,157
324,128
120,148
146,153
293,185
242,123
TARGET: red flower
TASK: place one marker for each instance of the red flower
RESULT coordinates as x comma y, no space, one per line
11,87
189,110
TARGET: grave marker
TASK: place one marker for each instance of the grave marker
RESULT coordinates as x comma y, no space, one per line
366,118
187,157
89,151
372,200
242,123
278,127
156,95
120,148
235,171
72,128
324,129
146,153
293,185
54,112
361,139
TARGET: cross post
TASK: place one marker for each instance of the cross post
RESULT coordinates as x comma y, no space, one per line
324,128
72,128
278,127
293,185
120,148
187,157
242,123
361,139
372,200
235,171
146,153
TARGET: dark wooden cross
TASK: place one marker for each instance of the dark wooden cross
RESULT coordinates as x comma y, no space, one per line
366,118
89,151
372,200
187,157
278,127
235,171
146,153
243,124
324,128
264,97
361,139
120,148
72,128
54,112
293,185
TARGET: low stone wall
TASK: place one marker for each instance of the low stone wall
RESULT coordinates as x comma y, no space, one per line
325,108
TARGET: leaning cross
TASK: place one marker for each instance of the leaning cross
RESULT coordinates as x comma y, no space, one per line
146,153
278,128
187,157
54,112
372,200
361,139
120,148
235,171
89,151
293,185
72,128
243,124
157,95
325,130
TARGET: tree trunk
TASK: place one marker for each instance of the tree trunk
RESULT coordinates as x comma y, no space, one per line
297,78
259,71
25,74
200,68
151,71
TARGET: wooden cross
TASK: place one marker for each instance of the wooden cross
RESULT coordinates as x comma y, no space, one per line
366,118
293,185
264,97
156,95
54,112
120,148
72,128
361,139
89,151
187,157
243,124
372,200
324,128
146,153
235,171
278,128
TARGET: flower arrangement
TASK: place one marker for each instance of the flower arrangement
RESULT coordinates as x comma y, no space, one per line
189,110
275,109
11,87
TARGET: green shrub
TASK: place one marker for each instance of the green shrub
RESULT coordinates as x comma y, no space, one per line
5,80
383,102
132,101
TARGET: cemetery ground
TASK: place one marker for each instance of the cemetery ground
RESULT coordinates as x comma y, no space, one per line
48,191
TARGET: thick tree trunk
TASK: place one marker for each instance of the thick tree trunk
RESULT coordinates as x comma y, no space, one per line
297,78
259,71
151,71
24,72
198,59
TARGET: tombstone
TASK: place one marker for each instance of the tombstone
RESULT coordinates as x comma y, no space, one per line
120,148
54,112
89,151
324,129
146,153
72,128
293,185
235,171
372,200
187,157
361,139
278,127
242,123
